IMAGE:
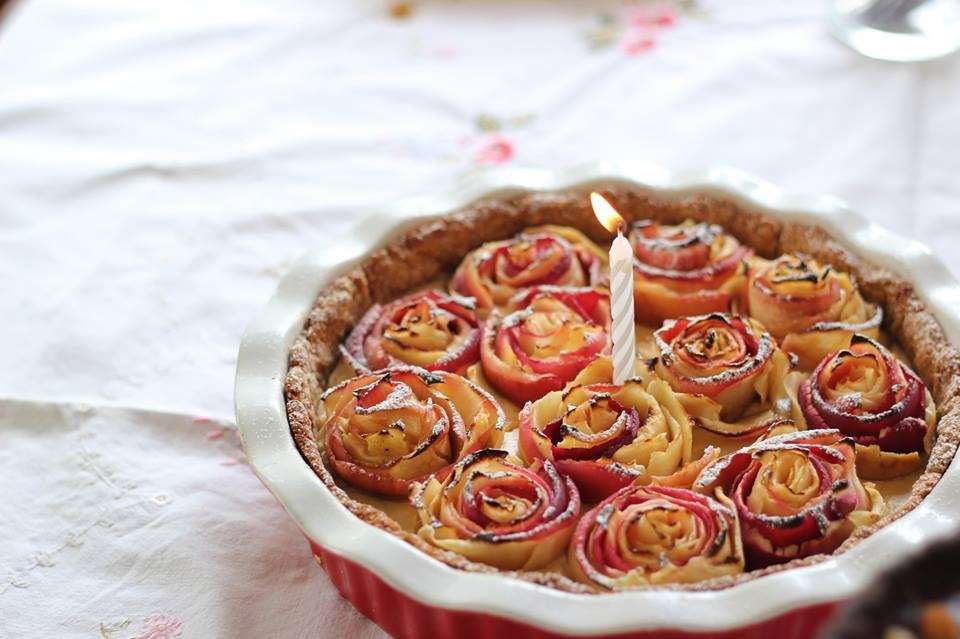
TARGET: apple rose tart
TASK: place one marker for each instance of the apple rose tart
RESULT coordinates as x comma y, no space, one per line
553,334
493,510
726,370
796,494
429,329
388,429
606,436
656,535
867,394
810,307
545,255
688,269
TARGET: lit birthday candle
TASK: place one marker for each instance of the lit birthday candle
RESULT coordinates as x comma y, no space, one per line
621,291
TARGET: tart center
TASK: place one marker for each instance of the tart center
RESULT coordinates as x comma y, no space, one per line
786,481
422,327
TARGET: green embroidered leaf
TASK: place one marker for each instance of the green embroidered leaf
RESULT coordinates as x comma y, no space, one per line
487,123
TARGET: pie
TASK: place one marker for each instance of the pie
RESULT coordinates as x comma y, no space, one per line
790,398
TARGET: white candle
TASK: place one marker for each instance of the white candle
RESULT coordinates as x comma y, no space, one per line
622,330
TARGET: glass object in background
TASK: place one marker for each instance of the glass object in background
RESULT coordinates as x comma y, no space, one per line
898,30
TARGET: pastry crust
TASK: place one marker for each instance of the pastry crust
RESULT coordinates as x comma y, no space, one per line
436,247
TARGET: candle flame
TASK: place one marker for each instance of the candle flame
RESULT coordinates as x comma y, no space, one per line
606,214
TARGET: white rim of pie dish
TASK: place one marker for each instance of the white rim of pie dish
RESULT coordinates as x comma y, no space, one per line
273,455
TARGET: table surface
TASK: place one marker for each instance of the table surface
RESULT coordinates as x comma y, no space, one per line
161,164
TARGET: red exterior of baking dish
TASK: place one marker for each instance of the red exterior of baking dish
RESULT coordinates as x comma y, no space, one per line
406,618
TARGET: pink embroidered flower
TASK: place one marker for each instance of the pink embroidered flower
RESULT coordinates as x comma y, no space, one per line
496,149
655,15
644,26
160,626
635,44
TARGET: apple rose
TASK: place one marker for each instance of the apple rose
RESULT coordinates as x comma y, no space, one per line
727,371
866,394
555,333
546,255
656,535
796,494
388,429
688,269
429,329
606,436
810,307
493,510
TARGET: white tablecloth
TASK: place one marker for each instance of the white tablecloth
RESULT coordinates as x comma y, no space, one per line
162,162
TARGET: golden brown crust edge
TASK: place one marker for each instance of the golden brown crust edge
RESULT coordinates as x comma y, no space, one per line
437,246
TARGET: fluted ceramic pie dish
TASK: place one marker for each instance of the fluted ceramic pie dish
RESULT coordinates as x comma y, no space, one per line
412,595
